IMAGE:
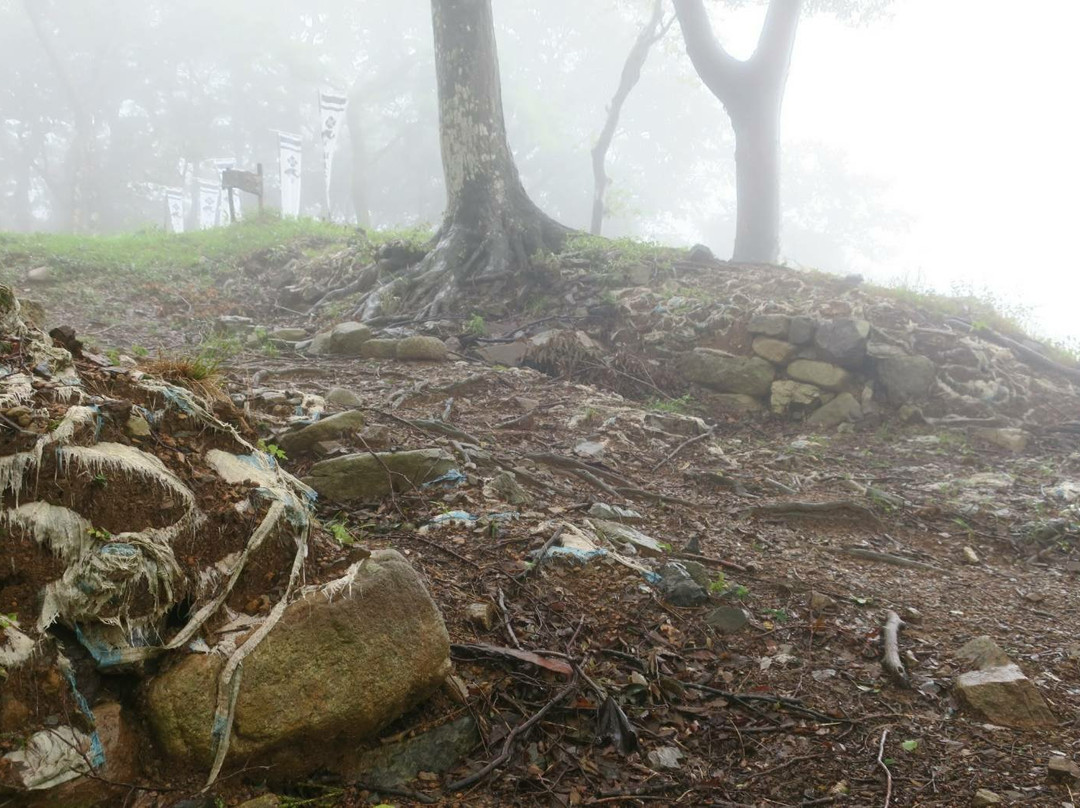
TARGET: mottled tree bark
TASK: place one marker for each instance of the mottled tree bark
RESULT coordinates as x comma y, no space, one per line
491,227
752,92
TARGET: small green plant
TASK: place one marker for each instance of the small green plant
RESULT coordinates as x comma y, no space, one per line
779,615
475,326
740,592
340,533
9,620
114,355
271,449
140,351
719,585
674,405
99,533
100,481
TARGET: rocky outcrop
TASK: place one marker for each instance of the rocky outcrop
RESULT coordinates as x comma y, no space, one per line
345,659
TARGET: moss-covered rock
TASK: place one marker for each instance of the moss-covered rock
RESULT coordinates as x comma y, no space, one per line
343,662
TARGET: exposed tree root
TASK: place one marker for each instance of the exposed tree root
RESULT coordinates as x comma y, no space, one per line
478,254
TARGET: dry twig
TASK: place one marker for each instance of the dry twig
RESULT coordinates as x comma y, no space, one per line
891,659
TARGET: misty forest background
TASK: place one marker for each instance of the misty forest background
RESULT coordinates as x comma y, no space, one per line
106,103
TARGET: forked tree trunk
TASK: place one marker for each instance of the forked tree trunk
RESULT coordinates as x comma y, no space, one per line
653,30
490,228
752,92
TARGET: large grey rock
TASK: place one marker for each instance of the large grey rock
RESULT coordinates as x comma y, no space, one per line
843,339
774,350
332,427
845,407
792,397
379,349
819,374
749,376
437,750
367,477
340,665
801,330
344,398
320,344
1004,696
770,325
346,338
906,378
421,349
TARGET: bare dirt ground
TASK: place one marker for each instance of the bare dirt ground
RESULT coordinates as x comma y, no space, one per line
792,709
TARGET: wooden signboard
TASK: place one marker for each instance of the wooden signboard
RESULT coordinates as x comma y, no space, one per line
248,181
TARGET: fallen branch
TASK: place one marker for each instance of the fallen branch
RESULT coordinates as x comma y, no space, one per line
884,558
631,491
796,508
891,659
549,660
671,456
881,762
563,462
517,731
714,562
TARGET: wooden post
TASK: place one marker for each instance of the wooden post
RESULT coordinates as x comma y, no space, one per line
232,208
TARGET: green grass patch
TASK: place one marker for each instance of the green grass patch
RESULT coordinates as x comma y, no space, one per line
155,255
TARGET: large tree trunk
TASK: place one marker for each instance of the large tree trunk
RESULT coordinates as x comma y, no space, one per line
490,228
757,184
650,33
752,92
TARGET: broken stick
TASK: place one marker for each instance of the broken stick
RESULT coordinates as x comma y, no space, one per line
891,660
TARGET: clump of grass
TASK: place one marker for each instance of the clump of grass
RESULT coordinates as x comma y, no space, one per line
678,405
201,375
